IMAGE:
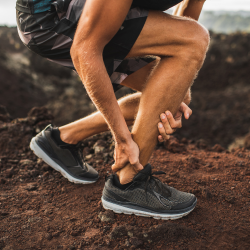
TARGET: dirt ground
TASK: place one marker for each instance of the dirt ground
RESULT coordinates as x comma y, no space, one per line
39,209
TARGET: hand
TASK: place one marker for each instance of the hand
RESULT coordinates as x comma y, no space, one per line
125,154
170,123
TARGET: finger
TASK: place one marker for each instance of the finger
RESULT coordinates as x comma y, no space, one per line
173,123
137,166
185,110
115,168
118,165
160,138
162,130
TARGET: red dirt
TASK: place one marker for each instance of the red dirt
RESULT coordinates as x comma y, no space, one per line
39,209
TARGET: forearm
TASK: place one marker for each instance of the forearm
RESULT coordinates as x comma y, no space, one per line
189,8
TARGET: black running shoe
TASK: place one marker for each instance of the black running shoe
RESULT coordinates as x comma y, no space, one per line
147,196
67,158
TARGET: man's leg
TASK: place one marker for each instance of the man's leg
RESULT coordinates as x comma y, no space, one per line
182,44
93,124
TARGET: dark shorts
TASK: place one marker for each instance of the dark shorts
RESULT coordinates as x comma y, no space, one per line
50,34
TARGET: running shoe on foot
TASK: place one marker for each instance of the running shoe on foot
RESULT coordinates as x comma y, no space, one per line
63,157
147,196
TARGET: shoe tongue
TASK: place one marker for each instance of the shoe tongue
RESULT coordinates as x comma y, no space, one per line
144,173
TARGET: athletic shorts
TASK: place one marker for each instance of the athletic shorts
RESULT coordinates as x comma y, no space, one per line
51,33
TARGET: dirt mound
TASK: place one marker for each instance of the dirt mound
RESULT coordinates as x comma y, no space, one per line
42,210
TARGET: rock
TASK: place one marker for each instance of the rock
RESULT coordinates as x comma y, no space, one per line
171,231
46,174
75,233
135,242
45,168
31,187
118,232
174,146
26,162
218,148
48,236
4,115
201,144
230,199
99,146
247,141
9,173
56,234
107,216
88,157
38,114
2,181
3,213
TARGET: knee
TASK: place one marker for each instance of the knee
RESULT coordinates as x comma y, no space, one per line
198,42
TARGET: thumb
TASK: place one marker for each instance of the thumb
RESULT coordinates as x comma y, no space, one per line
137,166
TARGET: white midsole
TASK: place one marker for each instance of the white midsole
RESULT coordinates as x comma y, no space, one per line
120,209
41,154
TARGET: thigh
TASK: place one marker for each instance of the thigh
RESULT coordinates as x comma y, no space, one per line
164,35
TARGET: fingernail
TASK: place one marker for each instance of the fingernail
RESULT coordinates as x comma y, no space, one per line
187,116
163,116
167,113
160,125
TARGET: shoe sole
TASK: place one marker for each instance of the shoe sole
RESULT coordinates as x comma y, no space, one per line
41,154
125,210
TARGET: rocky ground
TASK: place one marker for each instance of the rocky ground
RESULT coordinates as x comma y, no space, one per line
39,209
209,156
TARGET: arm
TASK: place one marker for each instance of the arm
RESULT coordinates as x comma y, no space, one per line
98,24
189,8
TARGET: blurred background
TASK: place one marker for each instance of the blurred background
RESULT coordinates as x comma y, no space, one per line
221,93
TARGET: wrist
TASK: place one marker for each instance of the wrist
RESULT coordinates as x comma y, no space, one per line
123,138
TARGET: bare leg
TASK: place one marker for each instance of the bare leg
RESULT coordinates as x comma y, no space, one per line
93,124
182,52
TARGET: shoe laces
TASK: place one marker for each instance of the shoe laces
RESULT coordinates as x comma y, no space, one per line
152,179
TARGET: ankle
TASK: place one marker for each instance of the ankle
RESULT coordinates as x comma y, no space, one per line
67,137
126,174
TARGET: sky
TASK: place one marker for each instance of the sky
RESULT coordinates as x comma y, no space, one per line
7,8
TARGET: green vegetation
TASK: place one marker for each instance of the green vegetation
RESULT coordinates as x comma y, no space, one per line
226,22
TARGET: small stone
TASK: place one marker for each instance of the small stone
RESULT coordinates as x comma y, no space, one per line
34,173
118,232
88,157
31,187
75,233
218,148
26,162
56,234
45,168
130,234
107,216
8,173
135,242
48,236
3,213
230,199
2,181
46,174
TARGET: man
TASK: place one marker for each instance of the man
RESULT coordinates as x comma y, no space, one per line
109,44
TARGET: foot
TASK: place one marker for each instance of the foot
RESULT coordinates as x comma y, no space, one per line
65,158
147,196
